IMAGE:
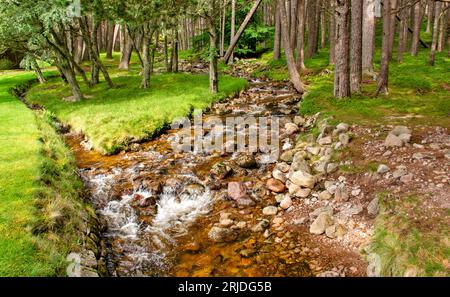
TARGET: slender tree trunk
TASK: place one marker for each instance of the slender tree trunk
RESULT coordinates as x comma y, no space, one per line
70,77
213,72
435,33
233,25
342,67
383,77
110,40
356,46
368,35
332,32
293,27
175,52
277,40
146,57
323,25
442,27
222,28
394,5
416,29
166,54
290,59
126,49
403,33
37,71
430,15
313,28
301,35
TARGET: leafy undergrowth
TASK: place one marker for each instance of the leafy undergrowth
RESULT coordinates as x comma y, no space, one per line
113,118
407,244
41,213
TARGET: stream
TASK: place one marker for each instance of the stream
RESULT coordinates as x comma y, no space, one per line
157,205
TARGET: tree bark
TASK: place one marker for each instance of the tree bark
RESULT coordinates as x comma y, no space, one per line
290,59
416,29
356,46
125,50
368,35
403,33
394,5
332,32
277,37
383,77
233,25
313,28
301,35
435,33
110,40
342,60
213,72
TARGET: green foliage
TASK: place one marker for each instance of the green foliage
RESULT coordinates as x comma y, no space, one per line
113,118
6,64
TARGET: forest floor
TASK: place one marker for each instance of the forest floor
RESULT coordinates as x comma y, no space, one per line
410,234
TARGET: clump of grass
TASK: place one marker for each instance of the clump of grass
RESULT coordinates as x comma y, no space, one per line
113,118
407,245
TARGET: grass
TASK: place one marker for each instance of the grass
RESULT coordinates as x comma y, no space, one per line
113,118
417,90
407,245
41,210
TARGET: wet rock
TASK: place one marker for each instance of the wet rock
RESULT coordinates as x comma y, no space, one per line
261,226
291,128
278,221
236,190
303,179
218,234
246,161
373,208
270,210
275,185
325,195
192,247
220,171
147,201
194,189
392,140
226,222
382,169
321,223
259,190
279,175
286,202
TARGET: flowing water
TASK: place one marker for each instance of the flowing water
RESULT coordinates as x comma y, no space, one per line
157,205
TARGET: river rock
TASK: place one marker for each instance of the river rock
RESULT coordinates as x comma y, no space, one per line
298,191
341,194
236,190
270,210
286,202
246,161
283,167
275,185
279,175
321,223
399,130
291,128
299,164
287,156
220,171
325,195
219,234
261,226
303,179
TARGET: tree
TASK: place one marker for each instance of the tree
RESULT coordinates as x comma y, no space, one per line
368,36
356,46
383,77
301,35
416,30
290,59
435,33
342,59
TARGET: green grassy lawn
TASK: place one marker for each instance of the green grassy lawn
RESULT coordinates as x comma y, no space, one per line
113,118
19,166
